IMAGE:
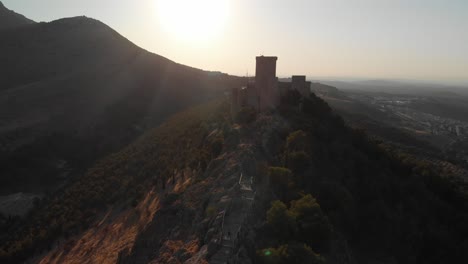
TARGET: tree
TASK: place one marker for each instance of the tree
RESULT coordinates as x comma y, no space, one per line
246,115
313,226
280,220
297,141
281,180
290,253
298,161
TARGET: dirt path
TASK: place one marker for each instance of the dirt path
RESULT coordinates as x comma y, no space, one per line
234,218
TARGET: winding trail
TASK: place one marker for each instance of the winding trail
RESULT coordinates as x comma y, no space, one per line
234,218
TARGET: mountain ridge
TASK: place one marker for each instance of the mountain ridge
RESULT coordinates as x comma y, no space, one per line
84,85
11,19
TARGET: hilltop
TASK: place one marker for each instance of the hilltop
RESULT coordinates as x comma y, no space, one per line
10,19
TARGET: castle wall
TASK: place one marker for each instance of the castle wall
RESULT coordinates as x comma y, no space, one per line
243,97
300,84
252,99
308,88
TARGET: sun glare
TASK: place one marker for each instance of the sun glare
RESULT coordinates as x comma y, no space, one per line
193,20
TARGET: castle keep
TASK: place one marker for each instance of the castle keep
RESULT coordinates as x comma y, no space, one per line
266,83
266,91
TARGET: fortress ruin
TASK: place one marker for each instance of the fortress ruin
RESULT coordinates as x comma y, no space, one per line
266,91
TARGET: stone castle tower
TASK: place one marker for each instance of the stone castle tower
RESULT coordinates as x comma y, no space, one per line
266,91
266,83
299,83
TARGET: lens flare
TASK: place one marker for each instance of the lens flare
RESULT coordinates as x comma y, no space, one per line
193,20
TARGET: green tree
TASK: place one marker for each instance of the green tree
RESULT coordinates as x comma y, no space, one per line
297,141
280,220
281,180
298,161
313,226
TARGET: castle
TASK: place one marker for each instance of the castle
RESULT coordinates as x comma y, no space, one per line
266,91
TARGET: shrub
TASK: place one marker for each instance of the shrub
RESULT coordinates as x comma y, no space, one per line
298,161
297,141
281,220
289,253
313,226
281,181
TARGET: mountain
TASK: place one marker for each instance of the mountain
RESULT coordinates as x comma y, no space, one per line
10,19
73,90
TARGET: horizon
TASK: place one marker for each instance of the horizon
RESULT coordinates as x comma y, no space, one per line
422,41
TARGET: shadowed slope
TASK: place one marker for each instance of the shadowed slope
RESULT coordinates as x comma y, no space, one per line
74,89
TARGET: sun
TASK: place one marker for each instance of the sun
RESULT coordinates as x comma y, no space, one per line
193,20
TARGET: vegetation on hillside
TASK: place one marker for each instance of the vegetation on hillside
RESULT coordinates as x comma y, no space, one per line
388,205
327,184
119,179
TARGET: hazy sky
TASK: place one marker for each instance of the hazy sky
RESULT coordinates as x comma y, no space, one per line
394,39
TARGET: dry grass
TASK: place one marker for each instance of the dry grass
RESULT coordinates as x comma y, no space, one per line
173,248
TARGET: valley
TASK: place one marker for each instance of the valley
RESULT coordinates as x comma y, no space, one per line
434,117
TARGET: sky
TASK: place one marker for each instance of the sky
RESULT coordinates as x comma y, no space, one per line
344,39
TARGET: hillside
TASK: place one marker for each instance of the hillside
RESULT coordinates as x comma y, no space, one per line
293,186
73,90
431,125
10,19
121,194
